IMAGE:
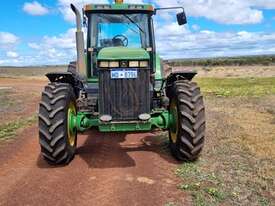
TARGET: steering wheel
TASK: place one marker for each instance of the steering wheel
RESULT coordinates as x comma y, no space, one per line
122,38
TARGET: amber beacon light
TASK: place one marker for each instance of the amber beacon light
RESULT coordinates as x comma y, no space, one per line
119,1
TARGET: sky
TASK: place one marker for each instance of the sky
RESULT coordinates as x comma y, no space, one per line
41,32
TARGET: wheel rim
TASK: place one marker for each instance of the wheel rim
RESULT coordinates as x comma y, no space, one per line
71,129
174,121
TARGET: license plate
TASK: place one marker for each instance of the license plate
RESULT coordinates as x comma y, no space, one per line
124,74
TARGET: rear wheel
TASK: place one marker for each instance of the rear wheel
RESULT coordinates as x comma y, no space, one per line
187,116
57,112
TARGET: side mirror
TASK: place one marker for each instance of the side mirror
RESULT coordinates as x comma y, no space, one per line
181,17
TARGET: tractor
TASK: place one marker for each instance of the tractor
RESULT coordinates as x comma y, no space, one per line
118,84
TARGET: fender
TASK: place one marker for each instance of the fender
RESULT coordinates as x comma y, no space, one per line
67,77
62,77
188,75
71,76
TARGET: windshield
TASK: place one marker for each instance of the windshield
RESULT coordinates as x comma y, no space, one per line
116,30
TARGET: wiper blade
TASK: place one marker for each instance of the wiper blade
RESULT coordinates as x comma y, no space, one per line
131,20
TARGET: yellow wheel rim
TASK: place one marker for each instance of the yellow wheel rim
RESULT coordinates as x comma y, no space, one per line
71,130
174,121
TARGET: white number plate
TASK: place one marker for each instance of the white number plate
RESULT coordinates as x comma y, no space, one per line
124,74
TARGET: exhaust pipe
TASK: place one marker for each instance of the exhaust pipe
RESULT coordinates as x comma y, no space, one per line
81,64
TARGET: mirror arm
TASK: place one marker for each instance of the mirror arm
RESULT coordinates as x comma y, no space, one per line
169,8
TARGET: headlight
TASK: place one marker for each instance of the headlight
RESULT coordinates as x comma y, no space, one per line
133,64
143,63
114,64
104,64
117,64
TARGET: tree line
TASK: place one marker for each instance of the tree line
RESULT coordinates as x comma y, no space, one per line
265,60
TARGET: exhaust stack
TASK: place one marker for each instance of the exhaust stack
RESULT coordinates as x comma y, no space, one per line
81,64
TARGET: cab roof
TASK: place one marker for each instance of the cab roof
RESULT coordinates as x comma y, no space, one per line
119,8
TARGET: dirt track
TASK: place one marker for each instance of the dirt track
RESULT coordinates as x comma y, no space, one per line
137,169
109,169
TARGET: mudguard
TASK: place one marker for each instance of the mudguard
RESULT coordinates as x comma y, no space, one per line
189,75
67,77
71,76
63,77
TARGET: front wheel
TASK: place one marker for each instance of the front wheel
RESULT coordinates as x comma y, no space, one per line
57,135
187,117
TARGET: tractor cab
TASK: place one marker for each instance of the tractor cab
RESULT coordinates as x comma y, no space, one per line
119,35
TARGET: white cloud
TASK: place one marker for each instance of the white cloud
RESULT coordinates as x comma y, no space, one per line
65,9
55,49
34,45
7,38
11,54
135,1
35,8
63,41
195,27
265,4
8,41
224,11
184,43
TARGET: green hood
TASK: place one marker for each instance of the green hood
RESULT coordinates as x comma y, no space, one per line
124,53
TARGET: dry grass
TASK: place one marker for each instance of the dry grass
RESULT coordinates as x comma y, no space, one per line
237,166
7,99
29,71
232,71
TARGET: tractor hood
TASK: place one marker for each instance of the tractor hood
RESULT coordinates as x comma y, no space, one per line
122,53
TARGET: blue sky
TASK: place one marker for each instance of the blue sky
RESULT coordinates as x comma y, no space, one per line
42,32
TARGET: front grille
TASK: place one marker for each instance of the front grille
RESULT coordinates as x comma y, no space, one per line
124,99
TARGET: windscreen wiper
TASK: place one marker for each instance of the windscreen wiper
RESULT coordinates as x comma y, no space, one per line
131,20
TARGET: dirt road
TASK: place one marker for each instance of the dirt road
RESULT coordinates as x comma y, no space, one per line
236,167
109,169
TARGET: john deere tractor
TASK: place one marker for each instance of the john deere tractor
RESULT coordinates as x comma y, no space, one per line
118,84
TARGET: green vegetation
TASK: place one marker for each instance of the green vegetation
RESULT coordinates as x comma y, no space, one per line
204,186
213,188
227,87
225,61
8,130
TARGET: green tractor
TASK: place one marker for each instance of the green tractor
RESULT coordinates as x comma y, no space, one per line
118,84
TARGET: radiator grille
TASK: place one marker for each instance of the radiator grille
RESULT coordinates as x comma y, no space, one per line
124,99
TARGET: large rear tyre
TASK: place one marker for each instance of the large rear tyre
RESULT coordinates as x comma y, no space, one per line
187,114
57,136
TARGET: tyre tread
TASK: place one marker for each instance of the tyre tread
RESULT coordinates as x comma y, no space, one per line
52,125
190,140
